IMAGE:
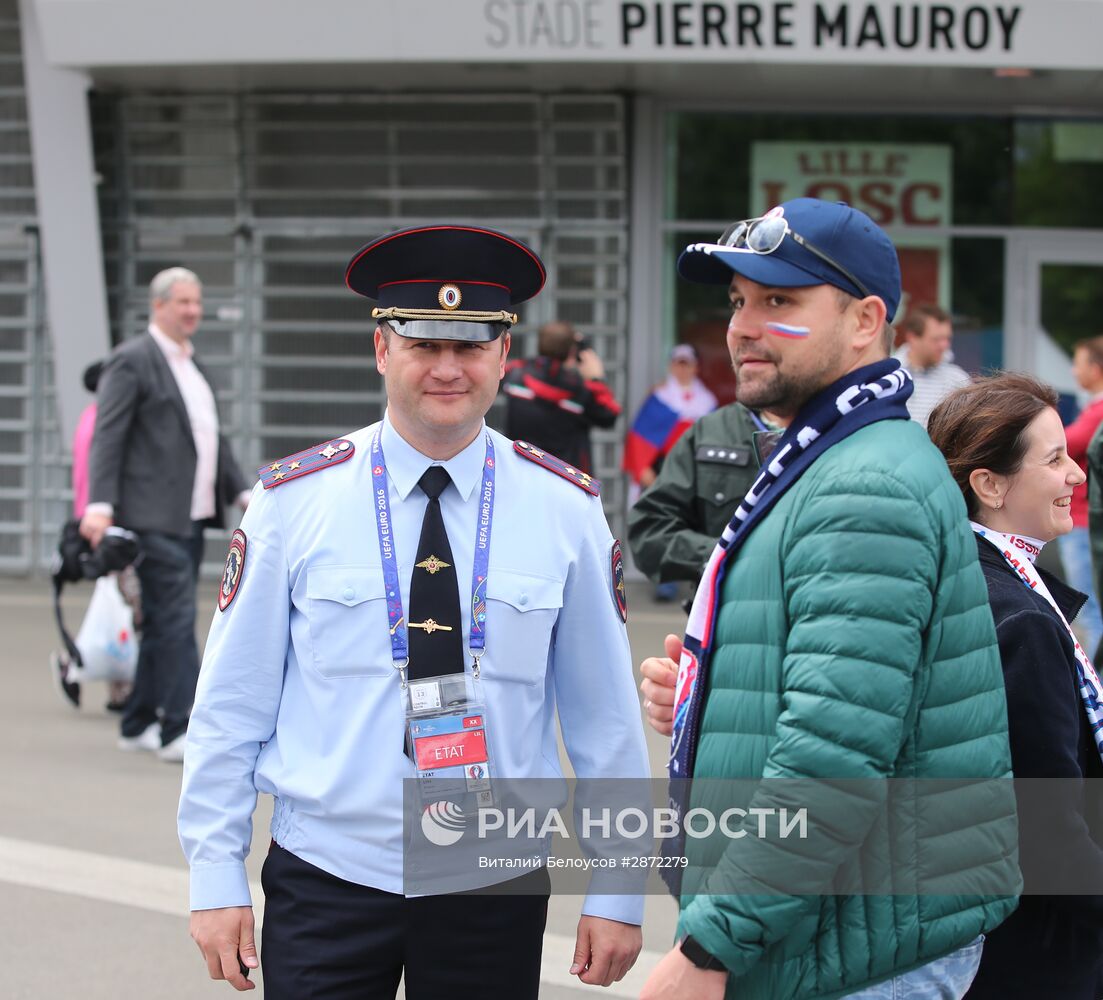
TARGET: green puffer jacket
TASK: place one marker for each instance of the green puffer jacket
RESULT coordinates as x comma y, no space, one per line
854,640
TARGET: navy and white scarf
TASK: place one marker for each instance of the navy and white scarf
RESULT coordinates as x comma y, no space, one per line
875,392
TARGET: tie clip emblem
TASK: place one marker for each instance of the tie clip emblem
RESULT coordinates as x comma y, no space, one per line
432,565
430,626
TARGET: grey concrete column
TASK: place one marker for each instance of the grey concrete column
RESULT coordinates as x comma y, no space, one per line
65,191
645,263
645,268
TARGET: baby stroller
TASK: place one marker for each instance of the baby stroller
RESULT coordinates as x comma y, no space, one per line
106,646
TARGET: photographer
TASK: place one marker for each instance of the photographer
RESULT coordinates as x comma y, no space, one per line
554,399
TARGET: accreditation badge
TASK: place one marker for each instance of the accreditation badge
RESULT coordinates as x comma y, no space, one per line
447,736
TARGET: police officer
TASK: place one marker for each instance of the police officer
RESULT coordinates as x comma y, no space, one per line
323,635
674,525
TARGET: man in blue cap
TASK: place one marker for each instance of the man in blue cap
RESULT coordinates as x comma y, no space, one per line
841,631
423,574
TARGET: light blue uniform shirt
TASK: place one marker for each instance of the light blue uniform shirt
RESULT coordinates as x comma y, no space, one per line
298,696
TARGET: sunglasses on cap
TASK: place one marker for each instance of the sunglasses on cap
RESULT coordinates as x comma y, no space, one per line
766,233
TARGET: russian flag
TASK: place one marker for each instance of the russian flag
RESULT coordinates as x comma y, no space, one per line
652,434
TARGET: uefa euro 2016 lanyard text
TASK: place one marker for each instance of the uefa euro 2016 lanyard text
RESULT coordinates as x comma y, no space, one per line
445,715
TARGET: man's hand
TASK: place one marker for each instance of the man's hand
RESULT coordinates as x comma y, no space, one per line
223,935
604,950
93,527
647,477
589,364
677,978
659,674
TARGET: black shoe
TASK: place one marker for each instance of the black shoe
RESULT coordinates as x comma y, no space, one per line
118,694
69,690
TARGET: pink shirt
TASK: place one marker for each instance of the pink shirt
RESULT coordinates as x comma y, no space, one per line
82,445
1079,434
199,402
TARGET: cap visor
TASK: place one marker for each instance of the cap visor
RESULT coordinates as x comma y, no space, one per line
433,329
709,264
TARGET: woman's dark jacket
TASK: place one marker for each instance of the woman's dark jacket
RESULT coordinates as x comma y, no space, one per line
1052,946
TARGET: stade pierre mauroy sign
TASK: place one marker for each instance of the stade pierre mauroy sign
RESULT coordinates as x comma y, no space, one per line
705,25
1060,34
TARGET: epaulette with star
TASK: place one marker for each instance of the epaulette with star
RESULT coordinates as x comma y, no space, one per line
558,466
303,463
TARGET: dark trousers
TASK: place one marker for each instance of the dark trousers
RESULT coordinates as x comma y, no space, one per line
168,659
327,939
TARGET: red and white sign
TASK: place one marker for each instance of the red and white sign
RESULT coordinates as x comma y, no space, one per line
451,750
898,185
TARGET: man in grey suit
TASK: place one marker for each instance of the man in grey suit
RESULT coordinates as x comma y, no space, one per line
160,467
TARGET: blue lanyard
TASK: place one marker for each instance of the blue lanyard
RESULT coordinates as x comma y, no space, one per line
480,570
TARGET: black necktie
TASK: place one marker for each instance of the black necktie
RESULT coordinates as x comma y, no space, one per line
434,626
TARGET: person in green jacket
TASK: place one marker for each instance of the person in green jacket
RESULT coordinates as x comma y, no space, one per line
841,630
673,526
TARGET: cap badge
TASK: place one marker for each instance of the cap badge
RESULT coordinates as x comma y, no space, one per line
449,297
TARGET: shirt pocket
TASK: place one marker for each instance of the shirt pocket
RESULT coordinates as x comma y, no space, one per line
521,611
720,488
347,617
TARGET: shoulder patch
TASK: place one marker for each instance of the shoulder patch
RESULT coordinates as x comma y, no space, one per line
559,467
616,579
302,463
233,571
721,455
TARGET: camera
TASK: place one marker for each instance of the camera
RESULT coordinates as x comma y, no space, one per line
76,560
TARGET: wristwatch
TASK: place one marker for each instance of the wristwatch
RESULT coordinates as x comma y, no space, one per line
699,957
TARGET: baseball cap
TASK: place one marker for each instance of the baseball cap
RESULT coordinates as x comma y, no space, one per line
683,352
842,233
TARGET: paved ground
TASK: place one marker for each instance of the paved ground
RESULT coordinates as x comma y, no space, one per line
92,882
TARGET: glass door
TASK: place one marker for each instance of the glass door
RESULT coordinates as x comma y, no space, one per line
1054,298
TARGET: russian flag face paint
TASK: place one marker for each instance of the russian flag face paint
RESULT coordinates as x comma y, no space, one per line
791,332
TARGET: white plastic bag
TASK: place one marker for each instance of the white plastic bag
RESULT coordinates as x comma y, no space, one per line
108,647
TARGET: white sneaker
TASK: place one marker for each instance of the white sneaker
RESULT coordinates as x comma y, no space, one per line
148,739
173,751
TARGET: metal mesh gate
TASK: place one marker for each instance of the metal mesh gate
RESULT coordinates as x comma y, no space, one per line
266,198
32,474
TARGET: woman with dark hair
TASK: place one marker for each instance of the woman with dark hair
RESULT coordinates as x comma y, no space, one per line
1005,446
